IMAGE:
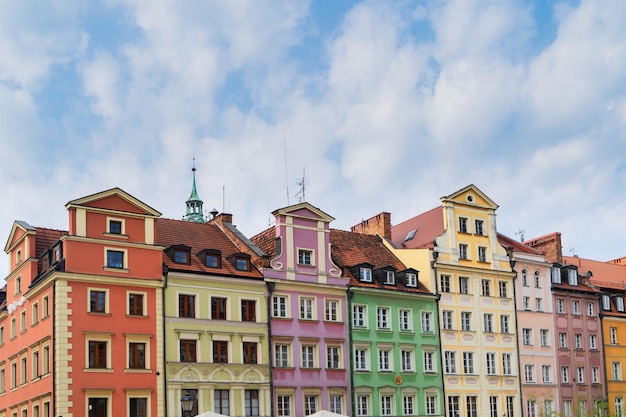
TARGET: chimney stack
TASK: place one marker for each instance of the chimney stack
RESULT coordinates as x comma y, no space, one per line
550,245
380,224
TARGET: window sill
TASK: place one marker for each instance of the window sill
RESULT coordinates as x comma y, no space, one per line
137,316
283,318
112,269
98,370
115,235
137,371
98,313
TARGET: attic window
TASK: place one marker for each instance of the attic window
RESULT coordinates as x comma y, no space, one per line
212,260
410,235
181,256
411,280
470,198
572,276
242,264
305,257
365,274
18,257
606,302
556,274
115,227
619,303
390,278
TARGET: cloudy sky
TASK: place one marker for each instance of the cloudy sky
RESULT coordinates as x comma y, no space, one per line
386,106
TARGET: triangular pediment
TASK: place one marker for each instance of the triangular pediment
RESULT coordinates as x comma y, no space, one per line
114,199
470,196
304,211
18,231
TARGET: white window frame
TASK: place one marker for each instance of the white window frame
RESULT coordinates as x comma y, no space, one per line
307,308
359,315
280,306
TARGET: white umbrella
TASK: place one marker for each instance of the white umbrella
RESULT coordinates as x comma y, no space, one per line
210,414
324,413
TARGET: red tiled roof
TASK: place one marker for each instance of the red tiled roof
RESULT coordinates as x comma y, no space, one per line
427,225
199,236
349,249
266,241
46,238
507,242
604,274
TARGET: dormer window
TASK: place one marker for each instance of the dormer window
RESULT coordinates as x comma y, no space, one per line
212,260
305,257
619,303
390,278
606,302
411,279
572,277
242,264
181,256
365,274
555,271
56,253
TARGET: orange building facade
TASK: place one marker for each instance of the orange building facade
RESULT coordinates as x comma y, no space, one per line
82,319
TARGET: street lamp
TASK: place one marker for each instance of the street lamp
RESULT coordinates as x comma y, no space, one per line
187,404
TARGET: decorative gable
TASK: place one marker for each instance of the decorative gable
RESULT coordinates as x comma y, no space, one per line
114,199
470,196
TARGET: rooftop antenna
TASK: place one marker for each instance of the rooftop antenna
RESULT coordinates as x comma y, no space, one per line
302,184
520,232
286,174
572,251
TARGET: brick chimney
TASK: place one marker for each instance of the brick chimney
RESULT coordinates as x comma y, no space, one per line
379,224
550,245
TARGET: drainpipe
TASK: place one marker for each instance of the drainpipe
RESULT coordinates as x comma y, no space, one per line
165,385
606,384
433,265
54,342
270,287
512,261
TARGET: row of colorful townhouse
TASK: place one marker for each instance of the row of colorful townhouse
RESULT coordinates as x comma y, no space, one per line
130,314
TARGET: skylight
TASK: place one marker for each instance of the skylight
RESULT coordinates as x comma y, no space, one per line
410,235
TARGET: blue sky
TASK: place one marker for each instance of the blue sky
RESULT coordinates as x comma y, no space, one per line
387,105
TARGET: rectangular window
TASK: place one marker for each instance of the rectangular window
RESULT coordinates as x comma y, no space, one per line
212,260
567,408
362,408
468,362
382,318
35,313
593,341
411,280
482,254
336,404
218,308
358,315
187,350
491,363
281,356
527,337
493,406
537,280
488,322
471,403
242,264
135,304
248,310
463,224
365,274
115,227
385,405
310,404
306,308
360,359
446,320
462,251
560,305
595,375
97,354
332,310
531,408
97,301
98,407
555,273
44,307
404,319
507,368
502,293
463,285
509,405
283,406
606,302
279,306
454,409
221,401
427,321
23,373
619,406
45,360
407,360
572,277
479,227
308,356
181,257
390,278
186,305
619,303
576,307
450,362
544,335
115,259
384,363
529,373
220,351
578,341
562,340
504,324
429,361
580,375
616,368
591,310
333,357
539,304
444,281
486,287
249,352
251,399
431,405
466,319
136,355
526,303
408,405
305,256
613,335
565,374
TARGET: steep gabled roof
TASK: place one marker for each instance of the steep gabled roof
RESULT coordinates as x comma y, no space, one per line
507,242
349,249
304,210
199,237
114,199
473,191
427,227
604,274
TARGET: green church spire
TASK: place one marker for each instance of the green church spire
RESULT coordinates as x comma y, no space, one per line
194,204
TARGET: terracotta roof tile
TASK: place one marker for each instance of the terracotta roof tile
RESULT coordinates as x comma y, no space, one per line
46,238
604,274
427,227
266,241
199,236
507,242
349,249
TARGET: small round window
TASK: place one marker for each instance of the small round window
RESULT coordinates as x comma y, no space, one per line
470,198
